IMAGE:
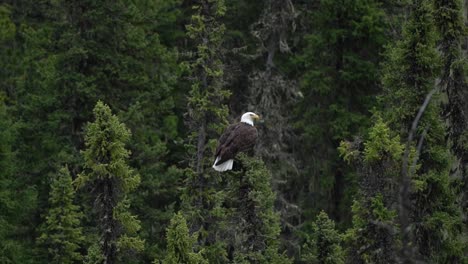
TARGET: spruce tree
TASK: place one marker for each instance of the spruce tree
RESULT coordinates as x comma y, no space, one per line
154,116
180,244
338,75
111,180
409,79
9,55
16,200
108,50
23,195
255,237
61,231
323,244
373,237
213,203
11,250
207,110
270,92
202,199
453,31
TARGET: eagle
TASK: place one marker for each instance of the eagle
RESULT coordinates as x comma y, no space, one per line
237,138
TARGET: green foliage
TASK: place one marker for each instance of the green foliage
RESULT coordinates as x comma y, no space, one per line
411,66
323,245
62,233
441,222
16,200
180,244
11,58
373,235
111,179
449,18
168,69
330,64
130,239
7,27
259,228
64,60
94,255
203,198
203,203
409,75
347,152
338,76
381,144
206,96
105,154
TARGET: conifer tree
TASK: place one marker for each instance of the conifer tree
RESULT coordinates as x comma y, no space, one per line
339,79
61,232
373,237
111,180
453,31
257,224
108,50
16,200
205,103
20,201
323,243
272,94
154,116
9,56
180,243
409,79
203,198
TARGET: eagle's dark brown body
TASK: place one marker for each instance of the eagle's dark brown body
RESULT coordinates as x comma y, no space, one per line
237,138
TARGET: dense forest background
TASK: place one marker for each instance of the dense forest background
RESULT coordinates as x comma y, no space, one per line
110,112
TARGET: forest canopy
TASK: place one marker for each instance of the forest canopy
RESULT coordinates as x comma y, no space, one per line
111,111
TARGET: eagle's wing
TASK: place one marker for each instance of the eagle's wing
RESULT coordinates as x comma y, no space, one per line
222,140
248,139
241,138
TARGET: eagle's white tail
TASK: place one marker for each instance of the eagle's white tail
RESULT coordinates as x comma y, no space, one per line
227,165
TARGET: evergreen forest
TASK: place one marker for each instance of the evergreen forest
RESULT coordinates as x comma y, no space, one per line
111,111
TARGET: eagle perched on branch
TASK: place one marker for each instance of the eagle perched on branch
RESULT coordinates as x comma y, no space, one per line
237,138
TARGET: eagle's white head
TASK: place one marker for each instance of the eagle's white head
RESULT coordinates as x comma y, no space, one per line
249,118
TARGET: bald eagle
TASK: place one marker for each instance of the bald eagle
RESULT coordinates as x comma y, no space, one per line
237,138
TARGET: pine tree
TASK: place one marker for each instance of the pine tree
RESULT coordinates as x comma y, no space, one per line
323,243
180,244
256,234
61,232
409,78
111,180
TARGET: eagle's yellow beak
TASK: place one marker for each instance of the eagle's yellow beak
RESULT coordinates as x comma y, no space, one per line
257,117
